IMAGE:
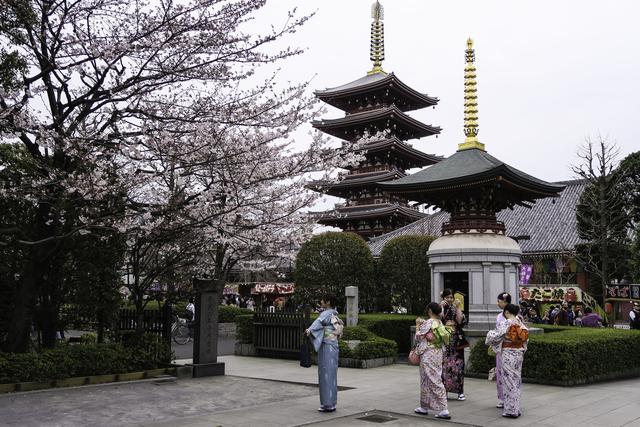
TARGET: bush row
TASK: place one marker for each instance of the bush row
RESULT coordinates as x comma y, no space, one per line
371,346
244,328
396,327
80,360
575,356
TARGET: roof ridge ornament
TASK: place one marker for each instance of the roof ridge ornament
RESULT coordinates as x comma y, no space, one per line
377,38
470,102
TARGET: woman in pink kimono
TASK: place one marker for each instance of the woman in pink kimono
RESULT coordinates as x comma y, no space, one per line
430,342
510,340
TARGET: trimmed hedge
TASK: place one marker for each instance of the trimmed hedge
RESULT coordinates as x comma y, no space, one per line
228,313
574,356
81,360
371,346
244,328
375,348
357,333
396,327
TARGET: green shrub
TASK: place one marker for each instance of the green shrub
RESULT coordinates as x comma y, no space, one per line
228,313
357,333
345,351
396,327
244,328
375,348
553,328
572,356
67,361
479,360
89,338
582,355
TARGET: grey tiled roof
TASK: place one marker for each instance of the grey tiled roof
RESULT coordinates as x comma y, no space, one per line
550,223
463,166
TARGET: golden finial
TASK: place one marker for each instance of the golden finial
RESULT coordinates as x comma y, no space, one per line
470,102
377,38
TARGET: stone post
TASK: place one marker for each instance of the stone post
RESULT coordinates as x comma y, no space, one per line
205,344
351,292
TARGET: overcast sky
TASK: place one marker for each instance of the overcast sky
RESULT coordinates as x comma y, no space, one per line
550,73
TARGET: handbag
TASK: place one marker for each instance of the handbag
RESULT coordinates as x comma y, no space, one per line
414,357
305,353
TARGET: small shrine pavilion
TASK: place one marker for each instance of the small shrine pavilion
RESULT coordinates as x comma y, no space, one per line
375,105
474,255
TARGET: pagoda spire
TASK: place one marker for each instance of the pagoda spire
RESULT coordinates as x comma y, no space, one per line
470,102
377,38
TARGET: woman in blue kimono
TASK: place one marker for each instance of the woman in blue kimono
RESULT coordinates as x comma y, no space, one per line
324,332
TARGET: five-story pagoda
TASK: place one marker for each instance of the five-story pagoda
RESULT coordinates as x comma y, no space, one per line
474,256
375,104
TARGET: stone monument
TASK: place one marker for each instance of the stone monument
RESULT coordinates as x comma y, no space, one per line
205,345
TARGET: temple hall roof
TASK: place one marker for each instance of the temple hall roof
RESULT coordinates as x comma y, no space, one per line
550,224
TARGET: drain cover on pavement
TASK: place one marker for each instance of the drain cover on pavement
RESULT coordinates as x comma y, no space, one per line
377,418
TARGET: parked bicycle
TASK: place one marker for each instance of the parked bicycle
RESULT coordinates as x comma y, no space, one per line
180,331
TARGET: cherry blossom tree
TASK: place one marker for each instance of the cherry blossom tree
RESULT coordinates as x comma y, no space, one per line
149,118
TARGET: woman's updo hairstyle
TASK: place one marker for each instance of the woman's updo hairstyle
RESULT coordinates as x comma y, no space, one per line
505,296
435,308
512,308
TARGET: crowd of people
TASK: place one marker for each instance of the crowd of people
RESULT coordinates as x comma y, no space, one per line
563,315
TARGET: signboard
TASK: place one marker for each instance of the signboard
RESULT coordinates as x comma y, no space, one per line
525,272
556,294
273,288
623,291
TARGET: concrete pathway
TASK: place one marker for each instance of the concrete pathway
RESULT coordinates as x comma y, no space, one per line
270,392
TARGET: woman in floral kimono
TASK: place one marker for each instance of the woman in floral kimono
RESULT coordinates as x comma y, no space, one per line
430,340
325,331
510,340
453,361
504,298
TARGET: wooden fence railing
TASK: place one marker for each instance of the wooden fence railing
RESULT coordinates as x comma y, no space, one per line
278,332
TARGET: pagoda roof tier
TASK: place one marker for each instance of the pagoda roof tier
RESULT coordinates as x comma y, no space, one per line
382,210
468,171
355,181
414,158
354,126
385,89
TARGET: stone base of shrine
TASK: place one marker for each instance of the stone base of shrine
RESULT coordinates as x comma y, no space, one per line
478,266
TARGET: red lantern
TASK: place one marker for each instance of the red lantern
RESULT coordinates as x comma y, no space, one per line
608,308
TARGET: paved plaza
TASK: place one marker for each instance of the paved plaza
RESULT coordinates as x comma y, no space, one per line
271,392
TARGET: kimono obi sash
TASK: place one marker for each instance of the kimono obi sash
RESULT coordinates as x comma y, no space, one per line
516,337
329,334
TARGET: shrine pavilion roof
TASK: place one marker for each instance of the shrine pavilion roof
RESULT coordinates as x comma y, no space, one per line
367,211
389,118
546,228
470,168
381,86
417,158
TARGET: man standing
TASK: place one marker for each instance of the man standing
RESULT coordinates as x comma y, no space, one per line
634,316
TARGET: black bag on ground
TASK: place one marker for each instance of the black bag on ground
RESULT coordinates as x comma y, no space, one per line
305,353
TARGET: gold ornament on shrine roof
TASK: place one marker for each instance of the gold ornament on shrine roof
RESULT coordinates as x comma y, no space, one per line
377,38
471,127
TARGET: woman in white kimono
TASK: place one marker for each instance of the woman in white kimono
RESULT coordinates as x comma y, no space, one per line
510,340
430,342
324,332
504,298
